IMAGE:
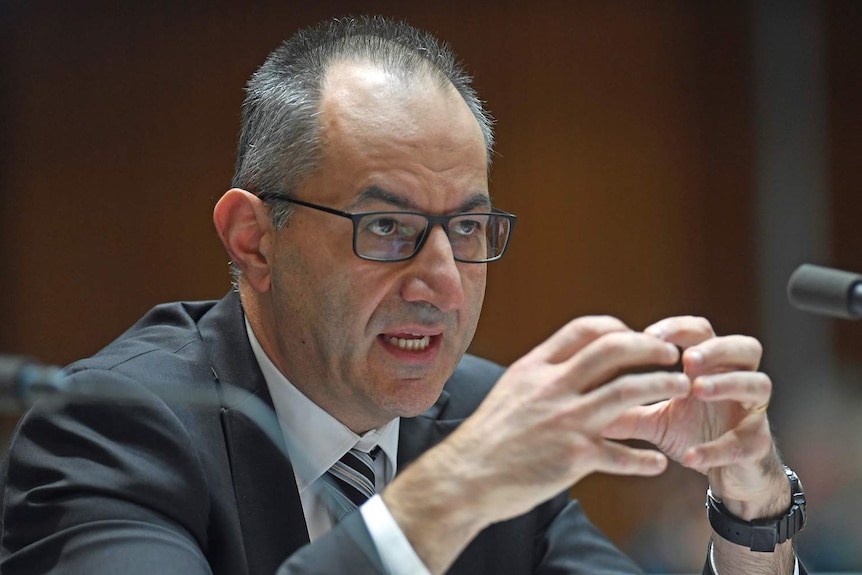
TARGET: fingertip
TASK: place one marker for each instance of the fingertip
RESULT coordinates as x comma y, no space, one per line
673,353
660,461
653,463
692,457
656,331
683,385
703,387
694,357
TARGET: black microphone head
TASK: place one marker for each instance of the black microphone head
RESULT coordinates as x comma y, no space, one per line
826,291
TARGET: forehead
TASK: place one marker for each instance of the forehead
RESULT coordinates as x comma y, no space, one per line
411,129
363,96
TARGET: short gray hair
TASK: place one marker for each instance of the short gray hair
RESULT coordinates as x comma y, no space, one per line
280,143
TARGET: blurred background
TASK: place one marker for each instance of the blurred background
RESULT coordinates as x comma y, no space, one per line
663,157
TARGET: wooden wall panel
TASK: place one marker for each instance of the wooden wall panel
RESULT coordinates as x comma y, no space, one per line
844,21
624,145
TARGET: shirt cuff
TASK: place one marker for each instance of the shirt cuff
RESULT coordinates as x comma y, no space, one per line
394,549
715,571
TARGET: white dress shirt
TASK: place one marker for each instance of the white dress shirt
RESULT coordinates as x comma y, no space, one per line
315,441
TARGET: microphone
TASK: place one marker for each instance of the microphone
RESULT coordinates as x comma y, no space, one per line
22,379
826,291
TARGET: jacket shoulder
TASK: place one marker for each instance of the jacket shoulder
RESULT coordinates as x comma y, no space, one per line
164,333
472,381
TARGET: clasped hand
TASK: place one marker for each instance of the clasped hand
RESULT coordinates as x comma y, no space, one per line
553,417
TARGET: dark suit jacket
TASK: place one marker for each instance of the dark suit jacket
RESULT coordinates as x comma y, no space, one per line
159,463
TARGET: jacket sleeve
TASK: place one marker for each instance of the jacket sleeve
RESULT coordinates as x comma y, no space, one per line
567,543
346,549
570,544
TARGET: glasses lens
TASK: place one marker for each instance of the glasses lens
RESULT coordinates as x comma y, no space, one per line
500,229
472,237
387,236
392,236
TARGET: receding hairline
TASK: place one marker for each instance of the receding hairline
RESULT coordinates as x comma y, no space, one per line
396,80
408,69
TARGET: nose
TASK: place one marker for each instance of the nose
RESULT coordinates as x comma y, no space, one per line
433,275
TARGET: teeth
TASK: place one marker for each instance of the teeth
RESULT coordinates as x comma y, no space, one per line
411,344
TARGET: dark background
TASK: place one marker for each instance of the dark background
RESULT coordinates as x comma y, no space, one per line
663,157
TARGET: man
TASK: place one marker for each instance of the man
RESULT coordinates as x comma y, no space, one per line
359,231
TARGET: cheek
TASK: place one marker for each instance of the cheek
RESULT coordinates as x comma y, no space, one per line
474,281
347,300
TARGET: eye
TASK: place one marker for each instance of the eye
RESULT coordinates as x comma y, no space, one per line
392,226
382,226
466,227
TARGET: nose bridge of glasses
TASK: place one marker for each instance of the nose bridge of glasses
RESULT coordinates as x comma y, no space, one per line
431,227
445,223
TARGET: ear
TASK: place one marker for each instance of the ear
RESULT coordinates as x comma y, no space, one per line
243,224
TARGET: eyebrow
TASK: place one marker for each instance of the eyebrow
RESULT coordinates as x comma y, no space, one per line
376,193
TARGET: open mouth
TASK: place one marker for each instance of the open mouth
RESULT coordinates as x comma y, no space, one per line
410,343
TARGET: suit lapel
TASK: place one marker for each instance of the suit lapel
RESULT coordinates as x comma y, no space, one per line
267,500
419,434
270,511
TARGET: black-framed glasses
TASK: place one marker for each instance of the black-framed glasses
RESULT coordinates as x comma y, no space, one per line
396,236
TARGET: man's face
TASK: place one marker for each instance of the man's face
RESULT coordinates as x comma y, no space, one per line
370,341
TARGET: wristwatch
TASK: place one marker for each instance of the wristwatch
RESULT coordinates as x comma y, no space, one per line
761,534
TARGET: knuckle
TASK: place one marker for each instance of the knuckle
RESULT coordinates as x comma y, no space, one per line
582,449
615,342
635,388
750,383
703,324
524,368
609,320
620,390
607,345
763,382
594,326
750,386
697,324
752,344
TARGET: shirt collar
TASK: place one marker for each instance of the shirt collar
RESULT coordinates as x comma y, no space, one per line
315,439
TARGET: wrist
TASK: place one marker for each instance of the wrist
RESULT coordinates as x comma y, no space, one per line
770,500
429,507
763,533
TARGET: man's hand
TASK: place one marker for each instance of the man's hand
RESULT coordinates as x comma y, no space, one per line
720,429
538,432
550,420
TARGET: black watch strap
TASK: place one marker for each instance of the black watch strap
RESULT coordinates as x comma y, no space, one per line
761,534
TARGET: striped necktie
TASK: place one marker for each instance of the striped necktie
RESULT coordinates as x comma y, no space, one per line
350,482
